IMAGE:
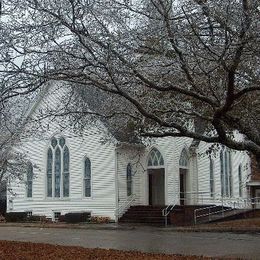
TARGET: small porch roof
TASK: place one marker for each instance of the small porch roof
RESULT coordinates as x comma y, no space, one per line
253,183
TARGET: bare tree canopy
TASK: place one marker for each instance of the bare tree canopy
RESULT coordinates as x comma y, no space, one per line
13,163
173,68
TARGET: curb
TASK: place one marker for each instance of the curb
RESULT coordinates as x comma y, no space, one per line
128,227
68,226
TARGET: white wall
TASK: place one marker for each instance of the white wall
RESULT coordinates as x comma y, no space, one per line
170,149
109,164
102,156
237,158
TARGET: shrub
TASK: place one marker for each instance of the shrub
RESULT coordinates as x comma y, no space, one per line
2,207
16,216
2,218
62,218
100,220
36,218
77,217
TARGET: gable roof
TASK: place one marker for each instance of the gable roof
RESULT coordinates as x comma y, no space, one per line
123,134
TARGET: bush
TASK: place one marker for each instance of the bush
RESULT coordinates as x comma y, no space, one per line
2,218
16,216
100,220
62,218
36,218
77,217
2,207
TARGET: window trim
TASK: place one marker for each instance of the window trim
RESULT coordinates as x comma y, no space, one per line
29,213
56,212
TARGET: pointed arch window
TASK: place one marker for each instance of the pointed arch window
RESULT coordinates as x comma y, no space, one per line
211,177
155,158
49,172
240,180
184,159
129,178
29,180
58,168
226,173
87,178
66,176
57,172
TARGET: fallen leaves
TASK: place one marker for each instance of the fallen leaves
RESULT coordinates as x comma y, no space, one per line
10,250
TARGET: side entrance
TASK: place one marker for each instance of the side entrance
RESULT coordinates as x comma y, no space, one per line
156,187
156,178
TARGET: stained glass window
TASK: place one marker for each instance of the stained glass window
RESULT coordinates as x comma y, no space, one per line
211,177
129,179
58,160
57,171
184,159
155,158
54,142
240,180
87,178
66,160
62,141
226,173
29,180
49,172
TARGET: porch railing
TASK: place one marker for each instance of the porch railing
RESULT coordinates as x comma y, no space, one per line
188,196
166,211
125,206
226,205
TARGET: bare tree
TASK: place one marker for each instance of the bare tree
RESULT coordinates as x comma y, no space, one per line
169,68
13,163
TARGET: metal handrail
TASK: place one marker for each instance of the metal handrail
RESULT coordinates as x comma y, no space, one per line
122,209
166,211
231,203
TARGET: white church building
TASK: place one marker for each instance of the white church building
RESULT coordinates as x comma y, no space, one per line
78,173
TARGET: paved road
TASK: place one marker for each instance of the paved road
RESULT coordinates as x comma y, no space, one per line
146,239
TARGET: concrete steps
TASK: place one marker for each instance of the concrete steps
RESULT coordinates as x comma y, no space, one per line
179,216
143,214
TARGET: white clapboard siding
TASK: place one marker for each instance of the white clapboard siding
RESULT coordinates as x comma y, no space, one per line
109,164
134,155
102,156
237,158
171,149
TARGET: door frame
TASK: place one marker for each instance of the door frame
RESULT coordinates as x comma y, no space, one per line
183,174
145,181
149,184
146,184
